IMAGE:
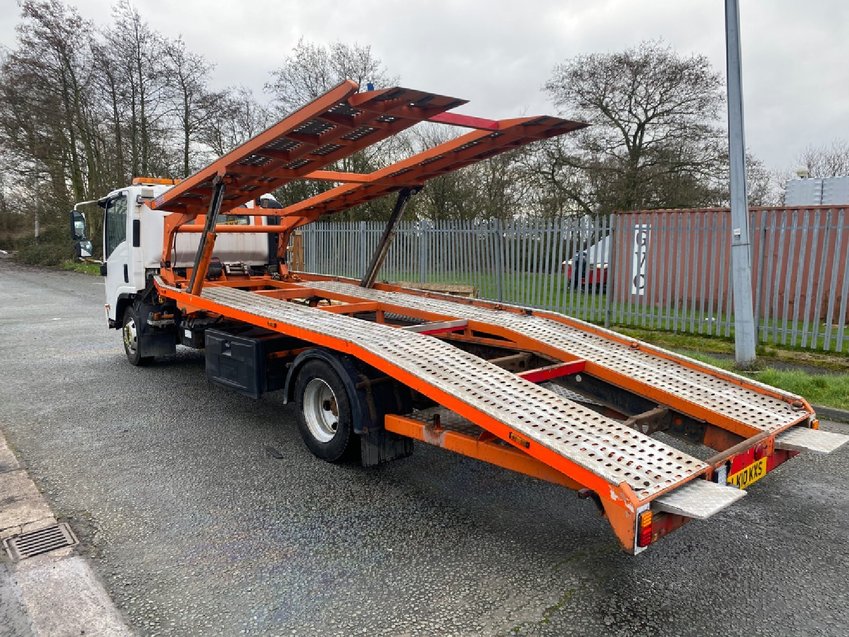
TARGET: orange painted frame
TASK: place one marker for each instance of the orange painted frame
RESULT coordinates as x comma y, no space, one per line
382,113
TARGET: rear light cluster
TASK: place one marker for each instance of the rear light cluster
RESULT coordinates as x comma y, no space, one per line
644,535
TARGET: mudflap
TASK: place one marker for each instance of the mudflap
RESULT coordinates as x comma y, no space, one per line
379,396
155,341
380,446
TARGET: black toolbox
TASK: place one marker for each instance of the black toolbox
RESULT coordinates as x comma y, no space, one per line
242,358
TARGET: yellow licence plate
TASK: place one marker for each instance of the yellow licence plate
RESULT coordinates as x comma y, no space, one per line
748,475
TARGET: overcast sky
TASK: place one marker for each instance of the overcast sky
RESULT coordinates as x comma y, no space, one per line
499,53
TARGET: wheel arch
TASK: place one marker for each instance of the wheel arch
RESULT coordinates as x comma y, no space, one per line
124,300
349,375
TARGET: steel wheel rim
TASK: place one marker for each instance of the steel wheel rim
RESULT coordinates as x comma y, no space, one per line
321,411
131,336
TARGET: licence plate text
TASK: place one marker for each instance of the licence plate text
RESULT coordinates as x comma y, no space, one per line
748,475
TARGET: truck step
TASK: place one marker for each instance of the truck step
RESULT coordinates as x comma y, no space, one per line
805,439
698,499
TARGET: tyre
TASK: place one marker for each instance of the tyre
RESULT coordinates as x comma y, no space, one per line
324,411
131,335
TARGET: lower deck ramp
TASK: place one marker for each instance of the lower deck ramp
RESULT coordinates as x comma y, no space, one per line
756,411
601,445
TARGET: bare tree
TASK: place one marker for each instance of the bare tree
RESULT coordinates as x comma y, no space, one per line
448,196
311,69
230,117
308,72
762,185
188,73
47,122
826,161
654,139
136,52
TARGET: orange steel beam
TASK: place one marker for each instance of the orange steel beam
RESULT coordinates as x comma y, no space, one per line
443,158
467,121
207,240
491,452
254,282
336,175
229,228
549,372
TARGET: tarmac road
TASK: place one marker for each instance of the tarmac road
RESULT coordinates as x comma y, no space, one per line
196,527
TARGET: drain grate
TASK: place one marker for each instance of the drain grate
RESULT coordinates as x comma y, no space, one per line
20,547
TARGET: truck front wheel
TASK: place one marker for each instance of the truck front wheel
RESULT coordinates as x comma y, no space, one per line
324,411
131,335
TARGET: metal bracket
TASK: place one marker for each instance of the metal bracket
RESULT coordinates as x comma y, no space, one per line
207,239
650,421
382,249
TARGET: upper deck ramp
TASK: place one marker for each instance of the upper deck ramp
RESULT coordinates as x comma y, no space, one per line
333,126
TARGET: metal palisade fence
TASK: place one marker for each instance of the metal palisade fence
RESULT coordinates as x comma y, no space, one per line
664,269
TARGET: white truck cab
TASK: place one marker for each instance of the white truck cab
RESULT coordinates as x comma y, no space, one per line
133,246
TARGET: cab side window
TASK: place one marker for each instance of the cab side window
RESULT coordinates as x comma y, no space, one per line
116,224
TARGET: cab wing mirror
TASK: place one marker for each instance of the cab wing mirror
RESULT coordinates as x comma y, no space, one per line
78,226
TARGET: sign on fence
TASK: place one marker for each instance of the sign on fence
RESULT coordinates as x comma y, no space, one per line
639,257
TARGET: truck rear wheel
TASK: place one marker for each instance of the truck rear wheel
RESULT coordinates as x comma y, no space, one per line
324,411
131,333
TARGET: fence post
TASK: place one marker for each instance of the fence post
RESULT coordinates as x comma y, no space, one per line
361,247
423,253
759,283
499,259
610,291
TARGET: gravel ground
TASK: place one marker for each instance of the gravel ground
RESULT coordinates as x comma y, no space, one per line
204,513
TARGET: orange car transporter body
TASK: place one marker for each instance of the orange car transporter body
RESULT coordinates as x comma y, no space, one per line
374,367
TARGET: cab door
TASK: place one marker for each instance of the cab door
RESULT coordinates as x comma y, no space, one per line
116,251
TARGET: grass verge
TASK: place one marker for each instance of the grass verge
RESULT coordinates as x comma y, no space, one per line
81,266
826,387
768,354
829,390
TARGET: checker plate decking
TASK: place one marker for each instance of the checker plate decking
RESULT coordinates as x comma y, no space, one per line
720,396
698,499
603,446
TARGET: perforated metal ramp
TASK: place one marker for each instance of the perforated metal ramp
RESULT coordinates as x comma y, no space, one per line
749,408
601,445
